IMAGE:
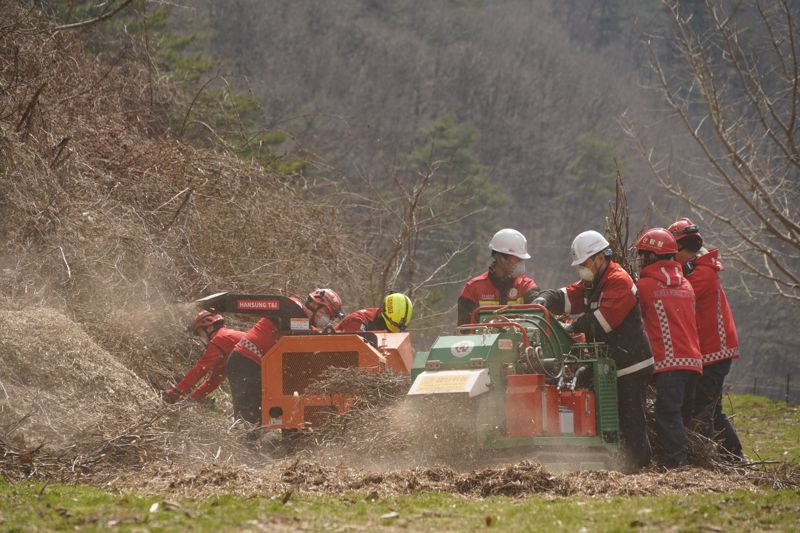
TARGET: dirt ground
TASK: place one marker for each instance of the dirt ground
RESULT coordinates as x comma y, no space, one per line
521,479
72,412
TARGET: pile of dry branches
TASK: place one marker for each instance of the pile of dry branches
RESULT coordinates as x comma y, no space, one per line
367,427
69,409
156,435
110,218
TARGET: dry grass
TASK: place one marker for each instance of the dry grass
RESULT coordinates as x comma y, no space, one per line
110,219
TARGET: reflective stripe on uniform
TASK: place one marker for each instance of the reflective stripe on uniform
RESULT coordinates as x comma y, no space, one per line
664,271
567,304
247,345
603,322
720,320
635,367
663,323
727,353
674,363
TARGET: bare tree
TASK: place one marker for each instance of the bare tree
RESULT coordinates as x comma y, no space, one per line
408,221
731,78
618,228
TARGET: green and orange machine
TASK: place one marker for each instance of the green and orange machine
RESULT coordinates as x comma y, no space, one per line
526,385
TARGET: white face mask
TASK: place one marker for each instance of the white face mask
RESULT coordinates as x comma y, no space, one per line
585,273
322,320
518,270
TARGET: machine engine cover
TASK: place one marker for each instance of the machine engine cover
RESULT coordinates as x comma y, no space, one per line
470,382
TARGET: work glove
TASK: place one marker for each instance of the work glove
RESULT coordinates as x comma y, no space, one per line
540,301
171,396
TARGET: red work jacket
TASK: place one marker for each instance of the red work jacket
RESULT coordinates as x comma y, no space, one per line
482,291
212,362
258,340
715,326
609,313
667,303
368,319
487,289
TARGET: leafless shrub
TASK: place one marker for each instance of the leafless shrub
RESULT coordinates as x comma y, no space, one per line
735,88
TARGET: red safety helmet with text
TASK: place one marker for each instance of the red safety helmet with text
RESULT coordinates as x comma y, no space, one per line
204,319
683,227
325,298
657,240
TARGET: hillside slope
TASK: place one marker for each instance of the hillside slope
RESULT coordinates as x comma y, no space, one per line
111,219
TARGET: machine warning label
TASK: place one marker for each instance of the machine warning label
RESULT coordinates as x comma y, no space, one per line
462,348
505,344
299,324
442,383
258,305
469,382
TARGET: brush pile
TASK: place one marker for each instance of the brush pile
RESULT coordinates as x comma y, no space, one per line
111,218
68,409
367,428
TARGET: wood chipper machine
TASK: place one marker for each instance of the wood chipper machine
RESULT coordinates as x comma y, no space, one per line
301,355
522,387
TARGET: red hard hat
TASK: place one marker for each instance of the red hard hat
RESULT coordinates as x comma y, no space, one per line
204,319
683,227
659,241
327,299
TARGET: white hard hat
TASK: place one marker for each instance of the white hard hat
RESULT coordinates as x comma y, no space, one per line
510,241
587,244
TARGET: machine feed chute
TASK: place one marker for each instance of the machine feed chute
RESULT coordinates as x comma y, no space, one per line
286,314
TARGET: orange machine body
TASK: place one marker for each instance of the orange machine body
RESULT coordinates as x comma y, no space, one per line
581,403
531,406
296,361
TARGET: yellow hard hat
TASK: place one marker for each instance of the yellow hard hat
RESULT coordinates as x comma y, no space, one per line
397,311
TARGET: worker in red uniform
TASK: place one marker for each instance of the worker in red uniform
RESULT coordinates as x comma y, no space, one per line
505,282
219,342
394,316
719,343
667,302
605,300
244,363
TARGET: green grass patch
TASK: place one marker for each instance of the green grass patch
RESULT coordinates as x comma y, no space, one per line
768,429
25,507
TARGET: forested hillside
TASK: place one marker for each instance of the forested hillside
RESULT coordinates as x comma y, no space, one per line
404,133
547,92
